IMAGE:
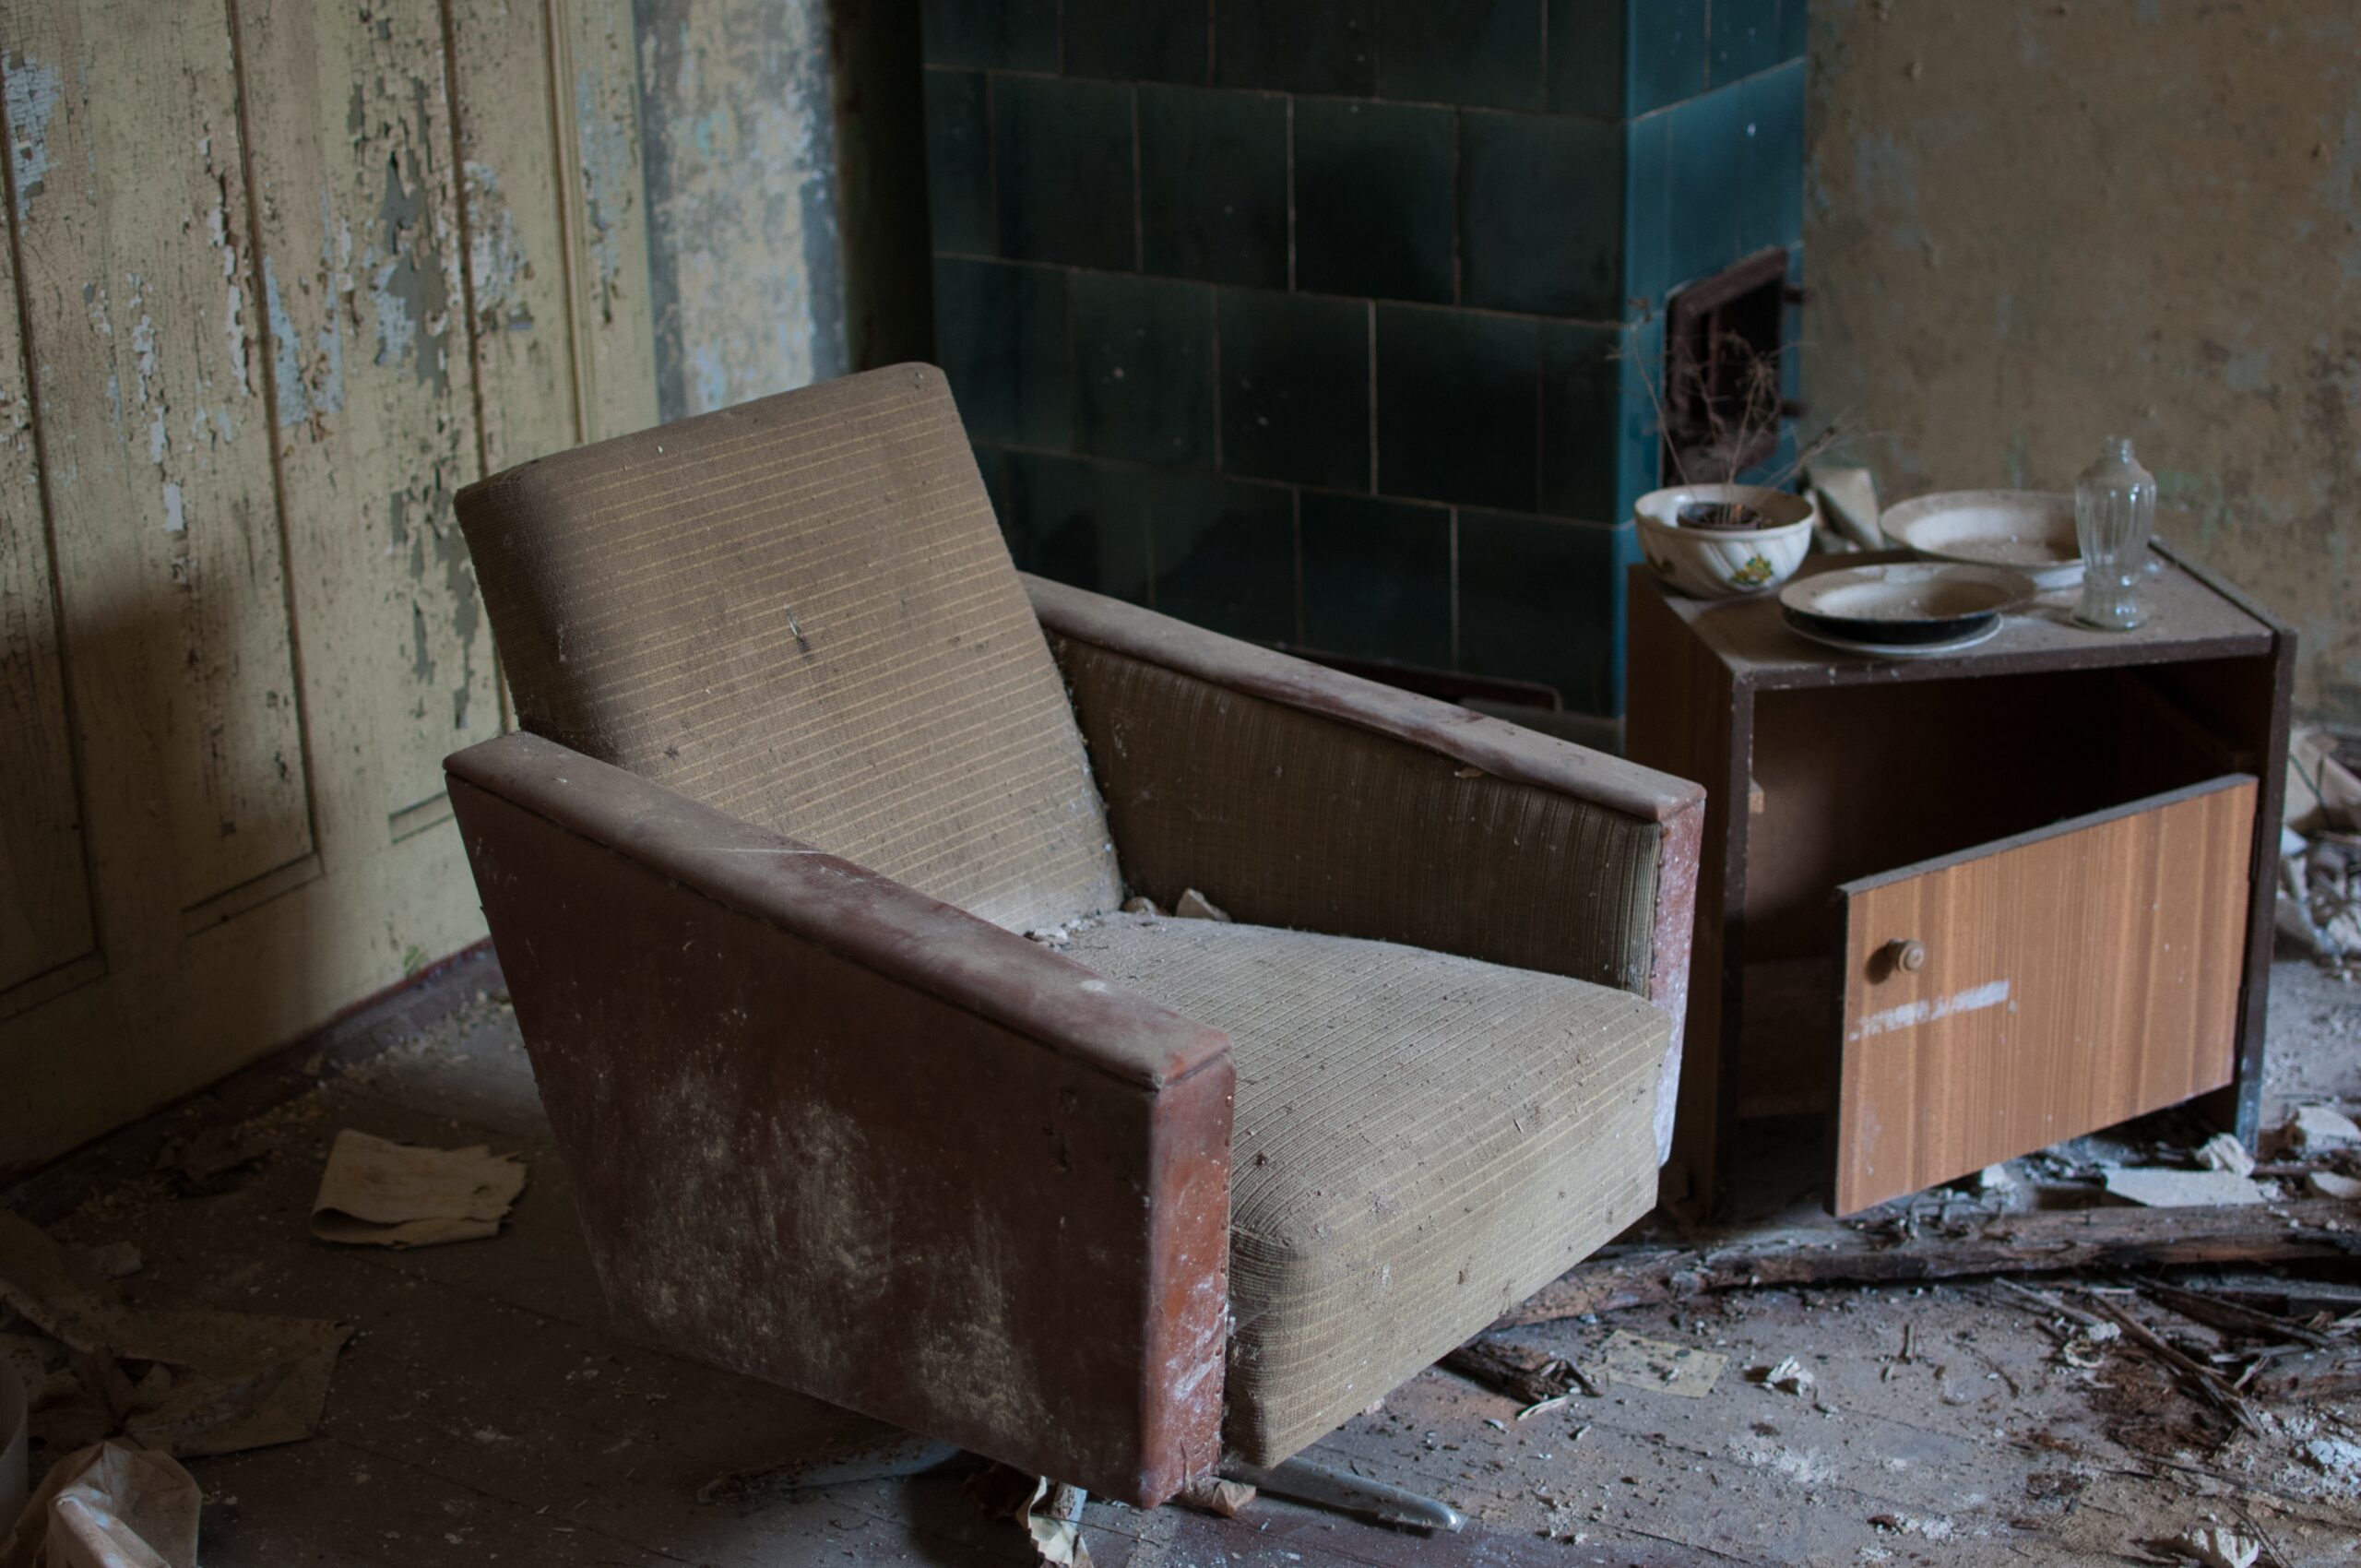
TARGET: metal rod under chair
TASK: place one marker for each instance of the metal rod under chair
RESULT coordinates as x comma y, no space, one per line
1322,1486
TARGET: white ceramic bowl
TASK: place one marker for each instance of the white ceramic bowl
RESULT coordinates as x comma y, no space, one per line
1720,564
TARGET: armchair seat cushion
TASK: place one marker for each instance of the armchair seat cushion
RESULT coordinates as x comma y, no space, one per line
1420,1141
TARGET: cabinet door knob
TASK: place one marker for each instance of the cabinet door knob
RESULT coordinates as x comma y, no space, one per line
1907,954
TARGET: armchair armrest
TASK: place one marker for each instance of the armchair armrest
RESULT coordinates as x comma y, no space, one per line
825,1131
1294,795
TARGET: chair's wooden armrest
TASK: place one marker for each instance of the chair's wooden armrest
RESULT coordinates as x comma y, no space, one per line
826,1131
1300,796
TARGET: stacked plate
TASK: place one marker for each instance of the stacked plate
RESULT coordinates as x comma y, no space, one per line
1905,609
2029,530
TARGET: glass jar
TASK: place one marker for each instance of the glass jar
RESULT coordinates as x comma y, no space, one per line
2115,512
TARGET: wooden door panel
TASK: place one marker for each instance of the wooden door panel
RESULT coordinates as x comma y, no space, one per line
358,209
2072,976
44,891
285,279
137,314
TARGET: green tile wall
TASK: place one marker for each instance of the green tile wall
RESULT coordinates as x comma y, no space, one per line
1324,324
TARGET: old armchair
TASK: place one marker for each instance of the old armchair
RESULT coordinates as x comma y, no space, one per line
807,869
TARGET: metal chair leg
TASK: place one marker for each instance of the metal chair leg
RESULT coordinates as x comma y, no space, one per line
878,1456
1322,1486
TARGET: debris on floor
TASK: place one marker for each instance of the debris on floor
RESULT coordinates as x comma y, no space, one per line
1049,1512
189,1382
2224,1152
1630,1362
1533,1377
376,1192
2181,1189
1195,905
1211,1494
1790,1376
1972,1402
2320,1129
213,1160
2060,1240
2320,850
2217,1546
108,1507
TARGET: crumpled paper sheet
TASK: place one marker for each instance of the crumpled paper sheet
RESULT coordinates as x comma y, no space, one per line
223,1381
379,1194
108,1507
1050,1513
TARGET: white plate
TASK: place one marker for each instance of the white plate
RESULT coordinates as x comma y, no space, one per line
2031,530
1897,650
1925,596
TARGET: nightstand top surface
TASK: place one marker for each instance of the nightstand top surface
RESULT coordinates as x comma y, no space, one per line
2190,616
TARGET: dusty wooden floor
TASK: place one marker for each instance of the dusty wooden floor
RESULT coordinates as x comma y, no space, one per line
484,1414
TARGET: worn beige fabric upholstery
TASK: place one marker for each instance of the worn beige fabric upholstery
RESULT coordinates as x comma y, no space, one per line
1296,819
1420,1141
800,611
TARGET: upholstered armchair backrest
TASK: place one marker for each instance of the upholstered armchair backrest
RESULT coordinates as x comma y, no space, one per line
801,612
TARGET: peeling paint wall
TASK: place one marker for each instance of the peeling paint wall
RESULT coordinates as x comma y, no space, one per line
279,277
2034,225
737,115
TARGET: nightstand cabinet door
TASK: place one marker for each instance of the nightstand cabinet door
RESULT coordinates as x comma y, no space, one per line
2039,988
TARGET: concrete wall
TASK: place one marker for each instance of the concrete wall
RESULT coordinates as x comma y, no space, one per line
2030,224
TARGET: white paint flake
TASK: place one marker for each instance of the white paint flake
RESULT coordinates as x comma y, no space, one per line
33,91
1911,1014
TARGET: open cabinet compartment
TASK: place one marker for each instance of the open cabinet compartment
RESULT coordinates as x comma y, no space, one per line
2071,829
2069,852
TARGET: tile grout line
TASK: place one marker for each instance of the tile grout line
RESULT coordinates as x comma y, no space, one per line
1213,306
1291,163
1541,64
1295,536
1454,588
1541,417
1790,63
1139,219
1073,390
1488,311
1458,200
1263,482
991,165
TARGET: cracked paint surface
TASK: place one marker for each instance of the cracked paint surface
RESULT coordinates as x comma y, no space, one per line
741,160
31,88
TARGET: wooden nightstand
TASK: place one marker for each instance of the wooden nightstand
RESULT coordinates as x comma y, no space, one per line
1952,910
